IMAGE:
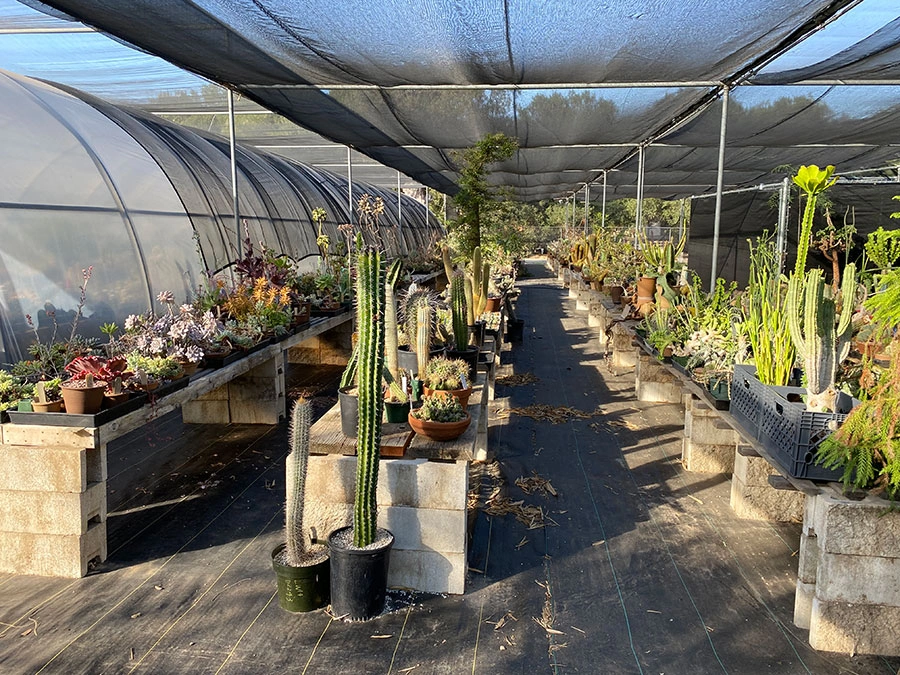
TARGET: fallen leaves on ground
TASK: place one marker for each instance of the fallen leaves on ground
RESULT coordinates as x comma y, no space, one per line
535,483
549,413
517,380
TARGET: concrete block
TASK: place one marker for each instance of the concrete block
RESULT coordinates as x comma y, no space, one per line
709,429
428,571
55,555
803,600
654,382
854,629
206,412
808,559
858,579
50,469
52,512
573,290
425,529
753,471
707,458
858,528
765,503
624,359
60,437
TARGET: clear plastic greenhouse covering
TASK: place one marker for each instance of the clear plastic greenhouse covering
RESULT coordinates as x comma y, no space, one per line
148,205
580,84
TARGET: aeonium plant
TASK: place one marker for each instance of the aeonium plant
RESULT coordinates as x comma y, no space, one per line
185,334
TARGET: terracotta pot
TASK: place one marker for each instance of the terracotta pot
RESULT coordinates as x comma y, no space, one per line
439,431
493,305
462,395
188,368
112,400
83,400
646,290
48,407
616,293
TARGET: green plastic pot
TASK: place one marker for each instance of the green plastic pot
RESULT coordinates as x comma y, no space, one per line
302,589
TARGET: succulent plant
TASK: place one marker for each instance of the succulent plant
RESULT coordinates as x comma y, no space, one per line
440,409
295,481
458,307
446,374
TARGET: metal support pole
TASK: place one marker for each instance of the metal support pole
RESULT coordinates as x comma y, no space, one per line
720,179
587,199
349,185
234,190
638,215
399,203
573,213
783,204
603,203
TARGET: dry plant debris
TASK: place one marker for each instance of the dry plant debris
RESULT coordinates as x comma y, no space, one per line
548,413
532,517
535,483
517,380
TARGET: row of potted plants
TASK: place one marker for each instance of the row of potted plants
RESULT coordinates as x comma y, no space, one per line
838,338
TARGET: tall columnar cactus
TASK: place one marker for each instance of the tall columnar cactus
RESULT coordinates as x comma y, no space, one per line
481,274
458,309
370,305
390,319
470,301
821,343
295,481
425,321
813,181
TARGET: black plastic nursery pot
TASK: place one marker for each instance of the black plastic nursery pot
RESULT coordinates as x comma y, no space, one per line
515,330
395,412
358,576
469,355
349,407
301,589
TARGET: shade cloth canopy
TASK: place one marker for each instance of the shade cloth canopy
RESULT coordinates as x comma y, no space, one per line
581,85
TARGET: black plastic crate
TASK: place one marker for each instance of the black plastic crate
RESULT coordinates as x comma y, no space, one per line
747,396
792,434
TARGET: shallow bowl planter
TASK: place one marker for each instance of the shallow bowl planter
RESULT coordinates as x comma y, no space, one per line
439,431
462,395
82,400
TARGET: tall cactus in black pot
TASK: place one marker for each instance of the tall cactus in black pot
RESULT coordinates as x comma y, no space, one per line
360,554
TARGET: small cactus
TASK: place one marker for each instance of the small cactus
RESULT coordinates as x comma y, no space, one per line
295,481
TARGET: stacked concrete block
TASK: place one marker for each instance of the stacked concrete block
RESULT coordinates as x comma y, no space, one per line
330,348
624,351
422,502
850,560
53,500
709,443
754,498
655,382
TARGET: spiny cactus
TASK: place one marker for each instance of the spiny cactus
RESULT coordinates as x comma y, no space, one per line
370,305
820,343
481,274
458,307
390,319
470,301
424,324
295,481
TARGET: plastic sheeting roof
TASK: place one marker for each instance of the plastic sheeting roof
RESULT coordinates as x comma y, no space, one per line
580,84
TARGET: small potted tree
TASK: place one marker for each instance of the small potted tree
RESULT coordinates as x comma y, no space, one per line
302,569
360,554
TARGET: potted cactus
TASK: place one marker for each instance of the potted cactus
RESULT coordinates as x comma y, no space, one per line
448,377
301,567
440,418
419,316
360,554
461,348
